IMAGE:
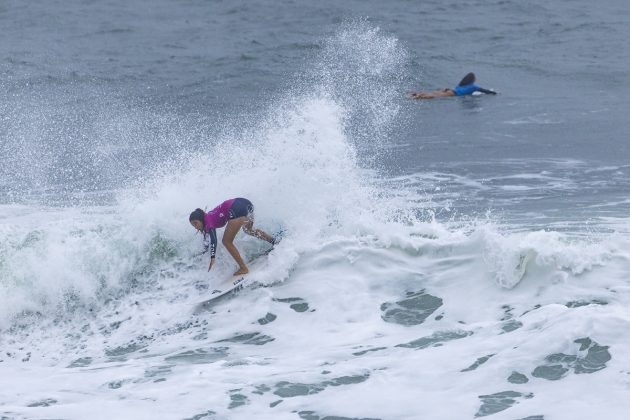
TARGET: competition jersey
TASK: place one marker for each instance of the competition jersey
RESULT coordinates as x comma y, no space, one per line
215,218
218,216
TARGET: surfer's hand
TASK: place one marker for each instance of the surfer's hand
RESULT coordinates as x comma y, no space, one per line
211,263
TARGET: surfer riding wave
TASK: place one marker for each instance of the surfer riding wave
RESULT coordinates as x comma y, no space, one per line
234,214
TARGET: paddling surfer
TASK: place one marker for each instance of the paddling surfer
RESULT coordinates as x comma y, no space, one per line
466,86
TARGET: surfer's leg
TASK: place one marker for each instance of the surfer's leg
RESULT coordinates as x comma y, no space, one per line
231,229
423,95
244,207
248,227
436,94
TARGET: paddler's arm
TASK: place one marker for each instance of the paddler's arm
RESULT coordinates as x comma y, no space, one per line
486,91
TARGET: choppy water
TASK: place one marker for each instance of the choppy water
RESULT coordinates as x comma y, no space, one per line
455,258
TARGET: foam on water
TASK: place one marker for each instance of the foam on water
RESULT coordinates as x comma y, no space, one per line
368,308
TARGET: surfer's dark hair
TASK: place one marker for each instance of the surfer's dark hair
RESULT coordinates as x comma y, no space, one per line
468,79
198,214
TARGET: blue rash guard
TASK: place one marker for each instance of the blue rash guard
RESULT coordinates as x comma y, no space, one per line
466,90
470,89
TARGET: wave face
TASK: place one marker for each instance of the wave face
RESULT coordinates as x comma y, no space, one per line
380,301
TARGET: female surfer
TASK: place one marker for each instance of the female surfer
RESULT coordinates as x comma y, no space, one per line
233,214
467,86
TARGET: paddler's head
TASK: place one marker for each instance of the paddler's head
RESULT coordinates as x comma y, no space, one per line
197,219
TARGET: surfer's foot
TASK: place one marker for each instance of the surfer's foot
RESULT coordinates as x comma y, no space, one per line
241,271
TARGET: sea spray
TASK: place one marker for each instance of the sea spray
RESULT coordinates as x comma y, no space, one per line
299,163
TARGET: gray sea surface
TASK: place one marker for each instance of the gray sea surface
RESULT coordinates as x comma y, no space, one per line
94,94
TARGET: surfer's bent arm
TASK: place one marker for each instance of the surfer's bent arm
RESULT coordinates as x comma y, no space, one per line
210,242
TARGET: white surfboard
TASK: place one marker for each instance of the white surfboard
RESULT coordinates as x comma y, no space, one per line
226,285
219,287
222,285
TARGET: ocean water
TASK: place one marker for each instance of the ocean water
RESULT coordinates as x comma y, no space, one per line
447,259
